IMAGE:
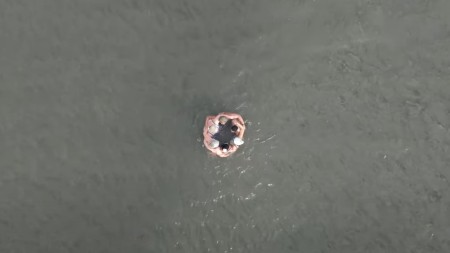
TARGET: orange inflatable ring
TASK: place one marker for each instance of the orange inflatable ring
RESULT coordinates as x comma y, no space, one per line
223,133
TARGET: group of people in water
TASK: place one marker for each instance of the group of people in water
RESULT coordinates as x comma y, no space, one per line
224,133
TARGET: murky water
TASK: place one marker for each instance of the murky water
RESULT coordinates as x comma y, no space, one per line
347,106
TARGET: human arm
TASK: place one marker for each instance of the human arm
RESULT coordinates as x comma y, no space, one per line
241,128
231,116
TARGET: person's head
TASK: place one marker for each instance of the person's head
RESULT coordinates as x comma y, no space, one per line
225,147
223,120
213,129
234,128
237,141
214,143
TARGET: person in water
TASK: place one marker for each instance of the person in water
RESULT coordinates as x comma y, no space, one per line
238,129
212,127
215,123
225,148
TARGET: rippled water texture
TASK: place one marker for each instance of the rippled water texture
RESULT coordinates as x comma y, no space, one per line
102,104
